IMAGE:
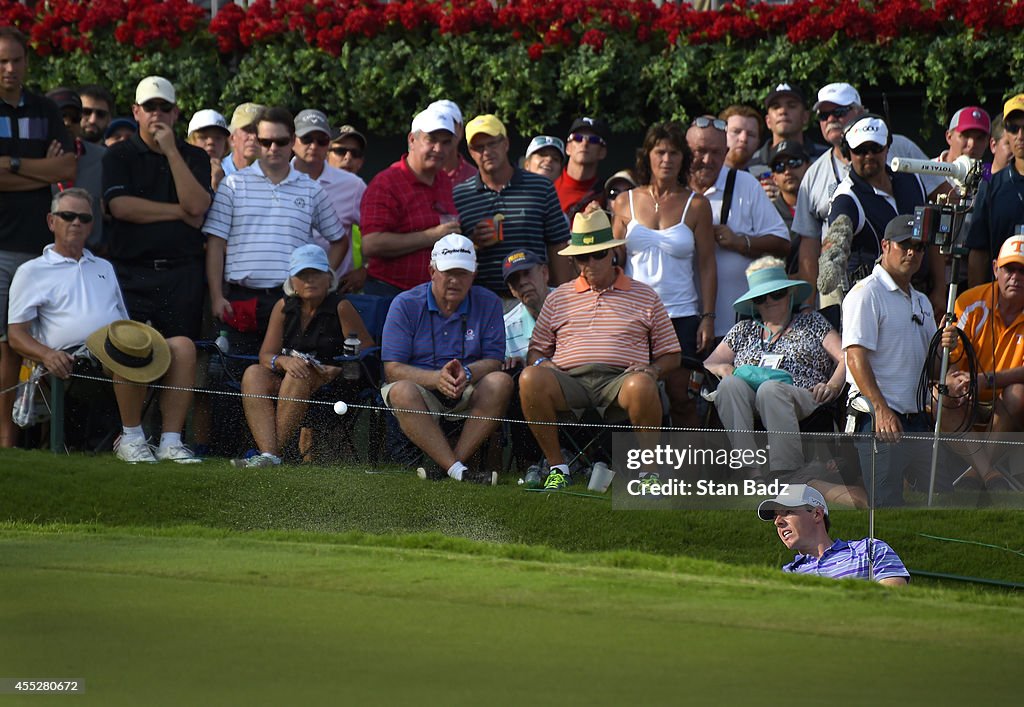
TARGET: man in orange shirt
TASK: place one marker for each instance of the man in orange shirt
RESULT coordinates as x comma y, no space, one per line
602,339
991,316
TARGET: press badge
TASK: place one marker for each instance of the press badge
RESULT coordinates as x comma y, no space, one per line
771,361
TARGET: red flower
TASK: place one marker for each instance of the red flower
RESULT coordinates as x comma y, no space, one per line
593,38
536,51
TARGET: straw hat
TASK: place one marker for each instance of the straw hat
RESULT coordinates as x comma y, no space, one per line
132,350
591,232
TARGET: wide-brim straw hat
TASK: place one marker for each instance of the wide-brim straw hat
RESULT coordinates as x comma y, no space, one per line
132,350
591,232
765,281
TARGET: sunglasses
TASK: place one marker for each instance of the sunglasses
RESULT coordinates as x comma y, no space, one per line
1013,128
319,139
157,106
599,255
98,112
839,112
614,192
870,148
704,122
916,246
266,142
342,151
791,163
773,296
588,138
70,216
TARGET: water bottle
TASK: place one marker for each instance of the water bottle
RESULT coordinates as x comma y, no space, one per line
222,341
350,369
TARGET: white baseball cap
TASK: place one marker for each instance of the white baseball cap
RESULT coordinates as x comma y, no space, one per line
542,141
449,107
452,252
795,496
867,129
841,94
207,118
431,119
154,87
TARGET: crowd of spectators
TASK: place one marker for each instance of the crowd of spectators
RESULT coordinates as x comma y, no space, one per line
521,285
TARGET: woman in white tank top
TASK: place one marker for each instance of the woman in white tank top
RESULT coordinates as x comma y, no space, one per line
671,247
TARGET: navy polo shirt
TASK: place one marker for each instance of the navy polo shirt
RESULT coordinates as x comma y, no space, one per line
997,211
26,131
533,220
417,334
875,211
130,168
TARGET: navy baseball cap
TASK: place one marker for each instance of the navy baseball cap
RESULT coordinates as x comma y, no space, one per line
518,261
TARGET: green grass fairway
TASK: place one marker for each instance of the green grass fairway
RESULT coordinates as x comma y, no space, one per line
163,618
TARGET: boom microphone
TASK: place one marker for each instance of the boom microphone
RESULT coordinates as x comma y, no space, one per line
959,170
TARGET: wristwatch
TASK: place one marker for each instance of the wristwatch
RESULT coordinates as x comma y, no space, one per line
15,165
469,374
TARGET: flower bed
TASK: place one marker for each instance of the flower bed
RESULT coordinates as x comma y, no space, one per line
536,63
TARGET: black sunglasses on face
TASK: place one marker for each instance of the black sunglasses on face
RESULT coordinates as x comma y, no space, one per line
98,112
839,112
775,296
154,106
70,216
916,246
716,123
599,255
342,151
869,148
320,139
587,137
791,163
266,142
1013,128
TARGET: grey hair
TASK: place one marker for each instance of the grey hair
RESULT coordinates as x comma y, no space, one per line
765,261
289,291
77,192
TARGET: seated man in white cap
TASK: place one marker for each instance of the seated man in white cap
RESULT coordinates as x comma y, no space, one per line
443,346
801,520
67,297
602,339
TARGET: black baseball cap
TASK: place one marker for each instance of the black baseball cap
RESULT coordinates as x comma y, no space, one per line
784,89
594,125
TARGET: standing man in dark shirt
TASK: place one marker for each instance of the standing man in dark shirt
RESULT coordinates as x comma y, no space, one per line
35,152
157,190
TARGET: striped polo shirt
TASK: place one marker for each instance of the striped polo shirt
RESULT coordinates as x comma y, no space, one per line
264,222
621,326
849,560
532,220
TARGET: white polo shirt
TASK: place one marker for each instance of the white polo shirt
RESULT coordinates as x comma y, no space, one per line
264,222
751,214
65,299
896,328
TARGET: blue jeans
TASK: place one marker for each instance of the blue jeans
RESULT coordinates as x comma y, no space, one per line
895,461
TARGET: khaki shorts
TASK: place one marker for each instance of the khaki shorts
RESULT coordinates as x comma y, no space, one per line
435,404
593,385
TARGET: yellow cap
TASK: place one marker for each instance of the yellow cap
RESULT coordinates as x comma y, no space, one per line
1014,104
487,124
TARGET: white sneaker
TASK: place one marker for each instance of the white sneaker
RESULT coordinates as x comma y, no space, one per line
134,451
256,461
177,453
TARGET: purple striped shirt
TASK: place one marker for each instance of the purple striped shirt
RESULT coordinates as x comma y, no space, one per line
849,560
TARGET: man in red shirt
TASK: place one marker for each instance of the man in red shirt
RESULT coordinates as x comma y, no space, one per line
408,207
586,147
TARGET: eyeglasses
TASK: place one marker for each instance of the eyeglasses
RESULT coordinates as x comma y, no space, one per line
70,216
774,296
791,163
155,106
356,153
704,122
98,112
489,146
320,139
1013,128
588,138
916,246
599,255
868,148
266,142
838,112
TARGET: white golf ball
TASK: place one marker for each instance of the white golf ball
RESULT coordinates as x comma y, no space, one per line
341,407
